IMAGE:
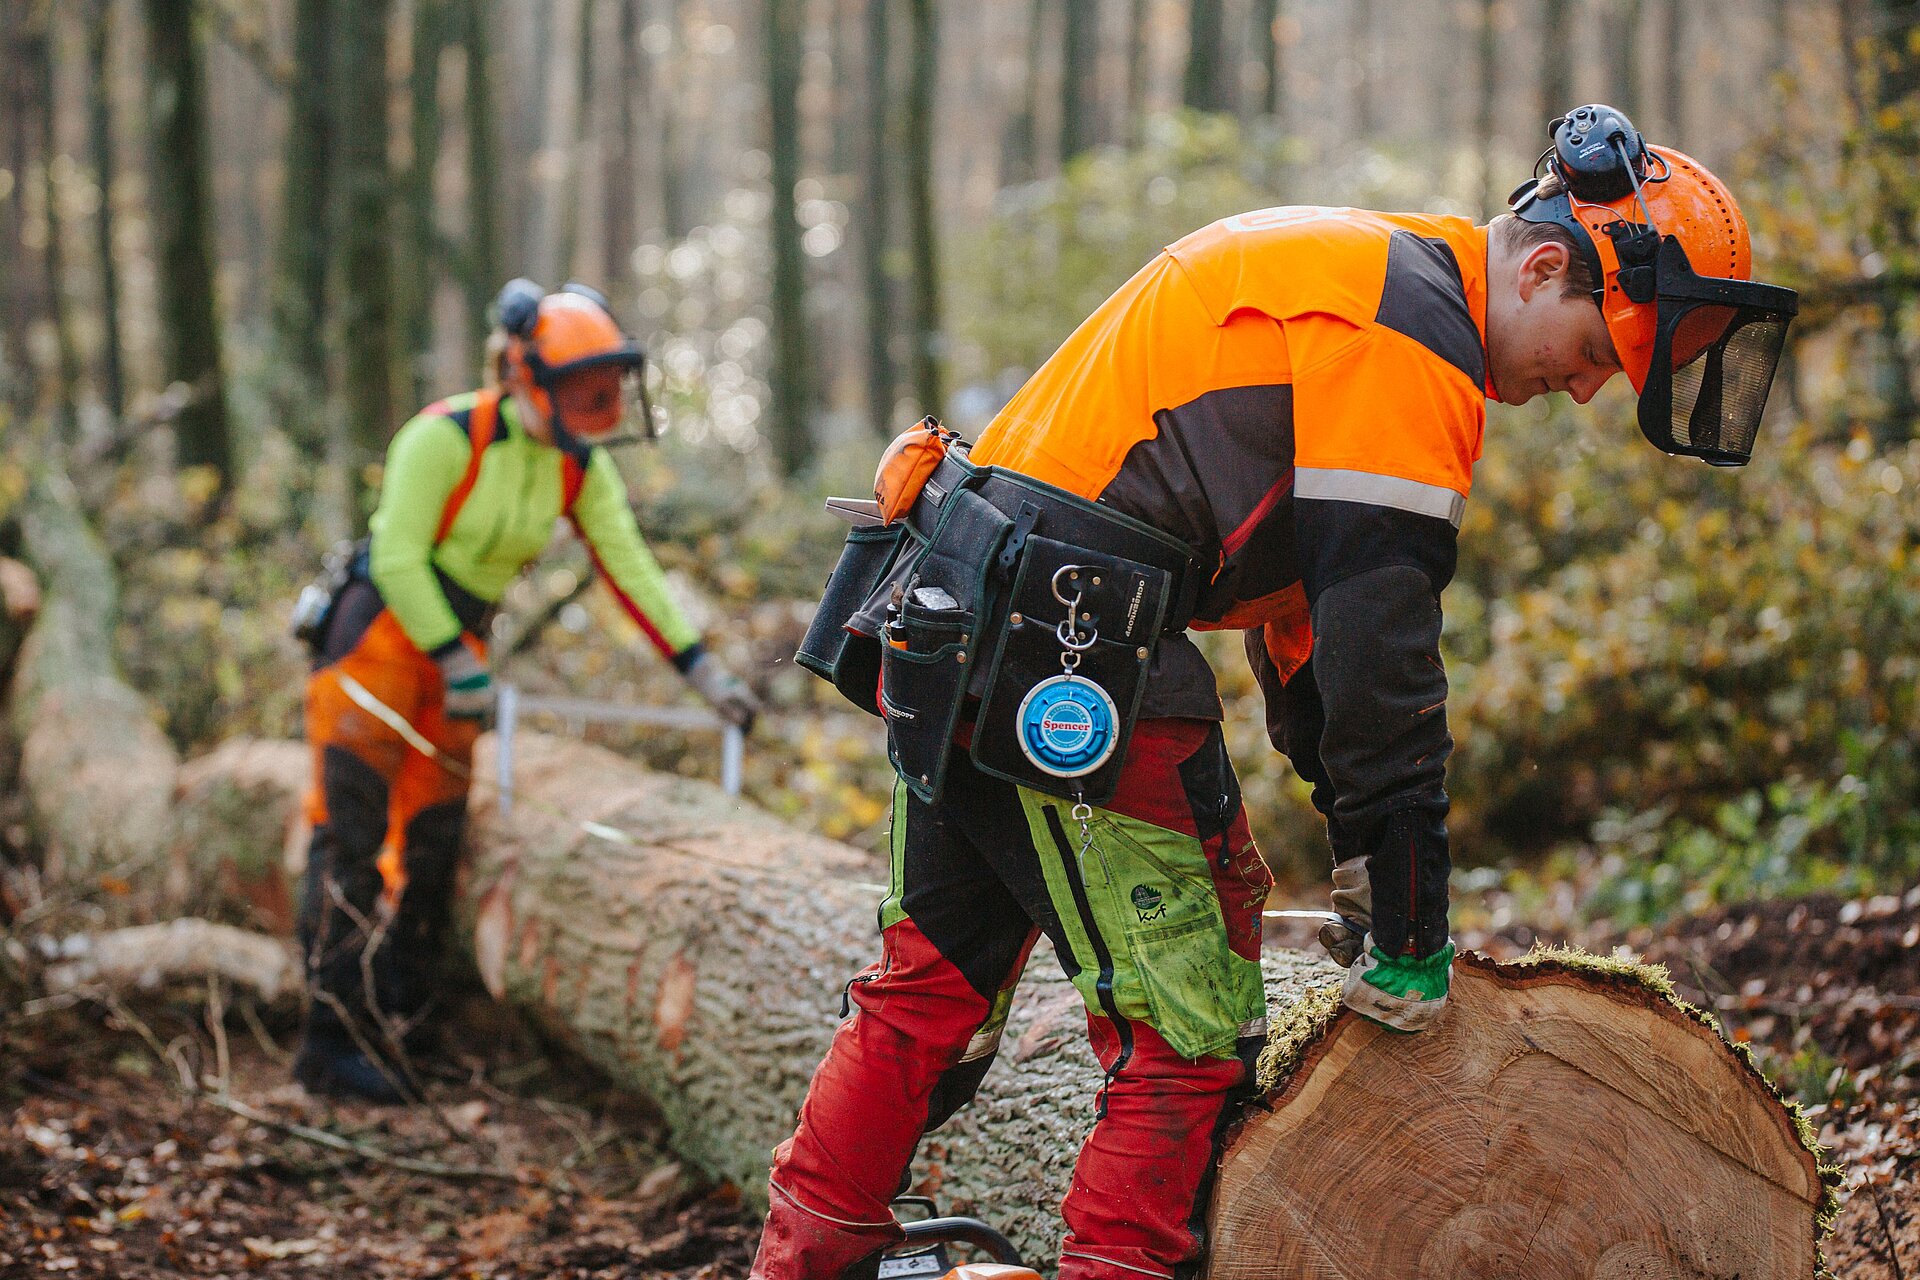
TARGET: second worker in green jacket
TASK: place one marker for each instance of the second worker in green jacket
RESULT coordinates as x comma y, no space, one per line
400,687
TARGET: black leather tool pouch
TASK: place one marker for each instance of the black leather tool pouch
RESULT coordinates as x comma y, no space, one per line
835,648
932,634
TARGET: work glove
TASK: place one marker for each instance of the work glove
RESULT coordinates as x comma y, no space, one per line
1401,993
469,687
1345,938
725,692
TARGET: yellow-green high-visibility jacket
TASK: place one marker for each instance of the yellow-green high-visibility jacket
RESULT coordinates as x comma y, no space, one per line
437,589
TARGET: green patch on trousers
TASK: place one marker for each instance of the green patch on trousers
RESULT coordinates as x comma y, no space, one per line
1140,904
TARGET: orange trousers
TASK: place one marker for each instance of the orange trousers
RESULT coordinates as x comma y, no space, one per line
387,823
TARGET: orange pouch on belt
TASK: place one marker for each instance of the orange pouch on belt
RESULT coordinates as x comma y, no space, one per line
906,464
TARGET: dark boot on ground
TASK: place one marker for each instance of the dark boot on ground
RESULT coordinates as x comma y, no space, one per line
340,1069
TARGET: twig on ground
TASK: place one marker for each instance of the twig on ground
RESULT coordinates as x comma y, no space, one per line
216,1020
194,1092
366,1151
1886,1228
263,1037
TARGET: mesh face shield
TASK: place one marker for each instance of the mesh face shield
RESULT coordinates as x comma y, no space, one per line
1716,345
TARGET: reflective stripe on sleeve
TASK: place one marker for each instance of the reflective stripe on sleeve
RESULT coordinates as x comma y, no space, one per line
1380,491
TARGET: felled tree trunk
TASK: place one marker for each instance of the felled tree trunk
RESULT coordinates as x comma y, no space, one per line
695,948
1567,1117
97,772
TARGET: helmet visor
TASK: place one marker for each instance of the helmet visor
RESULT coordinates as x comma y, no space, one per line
591,402
1716,346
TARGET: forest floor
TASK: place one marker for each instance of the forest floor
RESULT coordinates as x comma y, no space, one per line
108,1168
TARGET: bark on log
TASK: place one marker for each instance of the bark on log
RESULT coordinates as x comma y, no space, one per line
97,772
694,948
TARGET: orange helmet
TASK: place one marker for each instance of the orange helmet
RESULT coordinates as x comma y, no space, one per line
567,354
1669,248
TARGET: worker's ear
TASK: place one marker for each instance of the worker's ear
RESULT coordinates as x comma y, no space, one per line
1543,267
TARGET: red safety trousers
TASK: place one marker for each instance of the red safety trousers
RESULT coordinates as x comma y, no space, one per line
971,895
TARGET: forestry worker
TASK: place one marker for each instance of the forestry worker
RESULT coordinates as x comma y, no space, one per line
1271,427
472,488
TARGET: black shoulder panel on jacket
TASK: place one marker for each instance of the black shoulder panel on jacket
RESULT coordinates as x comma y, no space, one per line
1425,299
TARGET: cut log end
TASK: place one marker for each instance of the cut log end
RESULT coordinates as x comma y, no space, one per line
1567,1117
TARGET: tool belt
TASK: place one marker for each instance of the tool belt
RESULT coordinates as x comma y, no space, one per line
1038,609
348,563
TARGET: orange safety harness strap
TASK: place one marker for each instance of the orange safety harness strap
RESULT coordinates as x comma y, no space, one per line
481,424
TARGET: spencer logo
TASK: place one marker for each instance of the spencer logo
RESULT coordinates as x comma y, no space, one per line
1070,723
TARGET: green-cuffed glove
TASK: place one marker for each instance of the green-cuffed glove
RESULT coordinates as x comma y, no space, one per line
469,686
1401,993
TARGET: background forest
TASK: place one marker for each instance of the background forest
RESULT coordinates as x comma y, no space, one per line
246,238
242,240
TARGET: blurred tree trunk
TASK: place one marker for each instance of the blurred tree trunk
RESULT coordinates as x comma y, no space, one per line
1780,28
1620,33
620,208
877,226
922,235
582,141
183,236
1136,103
300,274
1897,23
1079,78
785,31
844,19
1205,85
430,35
483,271
12,192
1020,145
1360,50
1267,55
113,383
1673,79
1556,58
66,358
363,236
674,200
1896,80
1485,102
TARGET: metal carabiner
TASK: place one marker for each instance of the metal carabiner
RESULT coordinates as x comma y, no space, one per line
1064,571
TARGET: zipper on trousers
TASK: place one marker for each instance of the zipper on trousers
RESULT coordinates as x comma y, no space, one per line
1103,985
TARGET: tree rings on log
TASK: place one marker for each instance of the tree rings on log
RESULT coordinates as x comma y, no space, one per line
1567,1118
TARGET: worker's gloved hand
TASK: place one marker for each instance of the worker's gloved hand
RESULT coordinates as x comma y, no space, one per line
1345,938
469,694
727,693
1403,993
1401,976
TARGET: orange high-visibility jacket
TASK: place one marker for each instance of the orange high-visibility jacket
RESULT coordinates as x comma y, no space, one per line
1300,394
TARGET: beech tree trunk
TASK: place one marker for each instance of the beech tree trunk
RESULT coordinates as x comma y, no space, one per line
789,412
695,949
182,209
922,214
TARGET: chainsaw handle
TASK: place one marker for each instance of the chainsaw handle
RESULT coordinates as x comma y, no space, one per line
964,1231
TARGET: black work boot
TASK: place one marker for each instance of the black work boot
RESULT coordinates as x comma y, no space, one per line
340,1069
